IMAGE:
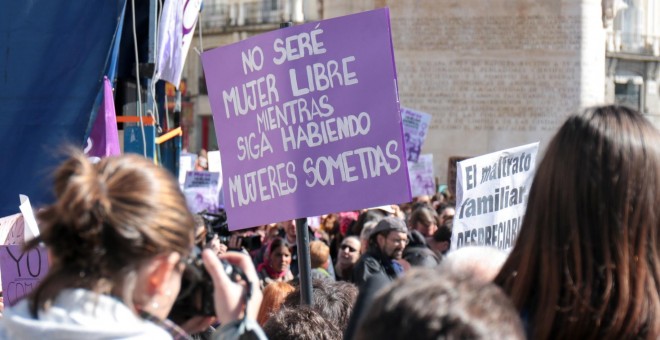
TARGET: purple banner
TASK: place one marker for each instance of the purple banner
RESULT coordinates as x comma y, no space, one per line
307,120
21,272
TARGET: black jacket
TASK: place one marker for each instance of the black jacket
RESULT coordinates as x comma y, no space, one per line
373,264
418,254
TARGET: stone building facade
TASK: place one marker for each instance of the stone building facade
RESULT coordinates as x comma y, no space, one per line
503,73
632,54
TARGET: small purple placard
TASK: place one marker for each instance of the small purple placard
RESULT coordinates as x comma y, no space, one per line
307,120
21,272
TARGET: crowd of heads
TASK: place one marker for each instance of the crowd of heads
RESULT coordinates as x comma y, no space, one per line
432,304
586,262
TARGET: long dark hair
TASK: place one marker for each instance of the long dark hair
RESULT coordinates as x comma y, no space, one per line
586,261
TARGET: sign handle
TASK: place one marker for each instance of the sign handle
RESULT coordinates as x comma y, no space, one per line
302,241
304,262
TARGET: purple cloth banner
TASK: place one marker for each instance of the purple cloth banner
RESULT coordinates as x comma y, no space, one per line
21,272
308,121
104,139
175,32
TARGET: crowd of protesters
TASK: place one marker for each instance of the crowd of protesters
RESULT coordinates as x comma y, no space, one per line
586,264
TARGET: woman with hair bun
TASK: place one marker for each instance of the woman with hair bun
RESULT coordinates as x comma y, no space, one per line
118,235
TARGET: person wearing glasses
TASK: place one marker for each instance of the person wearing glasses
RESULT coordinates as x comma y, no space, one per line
386,244
347,256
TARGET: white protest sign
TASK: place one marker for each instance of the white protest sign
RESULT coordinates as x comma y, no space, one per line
186,163
215,164
12,229
201,190
491,197
32,229
422,180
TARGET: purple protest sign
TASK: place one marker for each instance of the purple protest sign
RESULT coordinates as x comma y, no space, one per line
201,190
21,272
415,127
307,120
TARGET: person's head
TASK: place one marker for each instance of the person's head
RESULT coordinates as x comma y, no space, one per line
333,300
425,220
118,227
422,199
289,227
261,232
272,231
274,295
319,253
365,235
586,261
202,161
278,255
389,237
345,220
441,240
427,304
328,222
302,323
214,244
349,251
200,231
482,262
364,218
446,213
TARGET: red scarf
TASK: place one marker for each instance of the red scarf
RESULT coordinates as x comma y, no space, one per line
272,273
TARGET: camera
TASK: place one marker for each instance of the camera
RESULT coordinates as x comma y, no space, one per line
196,294
216,224
250,243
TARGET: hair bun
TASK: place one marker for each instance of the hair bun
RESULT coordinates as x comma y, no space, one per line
83,203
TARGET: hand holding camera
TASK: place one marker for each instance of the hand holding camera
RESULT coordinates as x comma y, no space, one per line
230,296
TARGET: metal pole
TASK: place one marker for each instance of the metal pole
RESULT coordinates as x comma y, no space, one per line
302,242
304,262
151,57
151,60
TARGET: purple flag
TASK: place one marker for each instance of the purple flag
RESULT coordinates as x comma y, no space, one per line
307,120
104,139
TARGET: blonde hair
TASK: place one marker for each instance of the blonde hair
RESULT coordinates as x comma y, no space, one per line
107,219
319,253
